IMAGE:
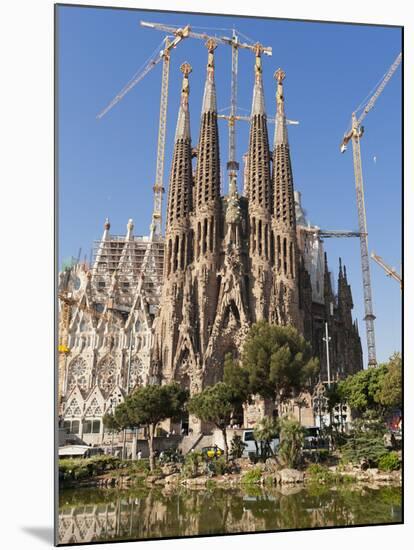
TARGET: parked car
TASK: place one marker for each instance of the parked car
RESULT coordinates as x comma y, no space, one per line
252,447
314,439
79,451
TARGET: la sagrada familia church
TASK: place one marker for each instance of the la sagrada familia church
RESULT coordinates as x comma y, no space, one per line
155,310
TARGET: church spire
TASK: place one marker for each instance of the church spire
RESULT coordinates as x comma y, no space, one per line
207,180
183,123
259,154
284,201
258,103
180,184
209,98
281,136
345,302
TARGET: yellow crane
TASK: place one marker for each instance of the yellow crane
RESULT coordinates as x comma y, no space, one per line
390,271
355,134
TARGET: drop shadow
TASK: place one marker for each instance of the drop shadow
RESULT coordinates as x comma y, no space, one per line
46,534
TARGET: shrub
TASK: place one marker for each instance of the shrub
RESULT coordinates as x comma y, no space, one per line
211,484
82,468
319,473
220,466
191,465
322,475
266,430
389,462
237,447
252,476
291,442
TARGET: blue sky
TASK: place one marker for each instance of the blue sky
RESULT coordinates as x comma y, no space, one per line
107,167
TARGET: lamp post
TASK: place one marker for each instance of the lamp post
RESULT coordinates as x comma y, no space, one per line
113,400
327,339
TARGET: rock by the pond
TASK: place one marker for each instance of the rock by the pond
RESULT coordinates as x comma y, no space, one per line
287,490
169,469
288,475
272,465
173,478
152,479
271,478
195,481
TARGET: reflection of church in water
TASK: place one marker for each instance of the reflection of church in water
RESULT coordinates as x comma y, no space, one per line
179,512
225,263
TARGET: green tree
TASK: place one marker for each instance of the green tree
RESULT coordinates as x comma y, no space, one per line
366,440
374,389
267,429
110,423
278,361
216,404
149,405
360,389
236,377
237,447
390,392
291,442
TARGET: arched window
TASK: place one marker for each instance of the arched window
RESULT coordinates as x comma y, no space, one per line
198,239
278,253
136,373
106,374
169,257
94,409
182,252
176,248
73,410
77,374
205,236
253,233
272,247
259,237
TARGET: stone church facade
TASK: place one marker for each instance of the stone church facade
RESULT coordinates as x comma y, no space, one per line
232,261
225,263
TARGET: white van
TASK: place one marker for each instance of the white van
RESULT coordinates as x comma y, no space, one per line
253,446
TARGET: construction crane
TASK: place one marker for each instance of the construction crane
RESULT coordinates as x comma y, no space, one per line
390,271
164,55
247,119
326,234
355,134
67,299
234,42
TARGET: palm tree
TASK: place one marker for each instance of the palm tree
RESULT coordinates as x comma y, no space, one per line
265,431
291,442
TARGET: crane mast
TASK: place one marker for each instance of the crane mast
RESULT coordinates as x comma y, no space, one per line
363,241
155,230
232,164
234,42
355,135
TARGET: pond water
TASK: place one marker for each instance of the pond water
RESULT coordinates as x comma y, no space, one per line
87,515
